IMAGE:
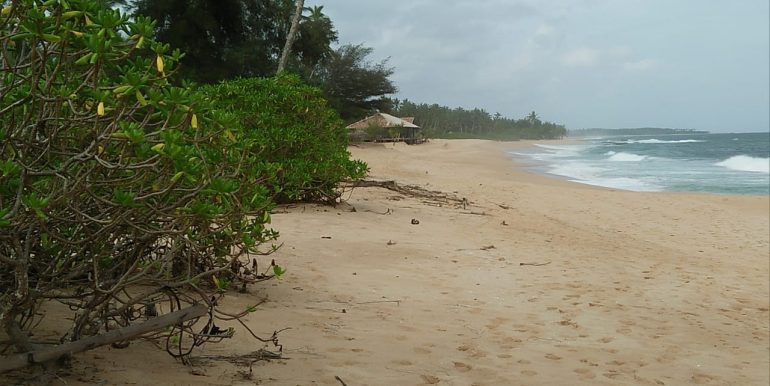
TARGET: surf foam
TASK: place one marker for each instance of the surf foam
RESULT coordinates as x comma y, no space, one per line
746,163
625,157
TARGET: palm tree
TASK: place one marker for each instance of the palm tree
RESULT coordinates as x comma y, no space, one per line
534,120
316,36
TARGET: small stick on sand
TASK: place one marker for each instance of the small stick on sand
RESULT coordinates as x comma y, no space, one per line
536,264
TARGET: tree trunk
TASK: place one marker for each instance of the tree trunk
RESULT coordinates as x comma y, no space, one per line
13,362
292,36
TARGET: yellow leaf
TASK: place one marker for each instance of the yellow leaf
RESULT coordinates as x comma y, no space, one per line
101,150
159,63
194,121
140,98
77,33
159,147
100,109
140,42
215,280
7,10
88,20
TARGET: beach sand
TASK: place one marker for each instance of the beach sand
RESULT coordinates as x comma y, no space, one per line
537,281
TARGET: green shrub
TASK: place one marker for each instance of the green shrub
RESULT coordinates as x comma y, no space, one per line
113,178
290,126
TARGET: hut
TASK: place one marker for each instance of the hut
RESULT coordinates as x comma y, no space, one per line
384,127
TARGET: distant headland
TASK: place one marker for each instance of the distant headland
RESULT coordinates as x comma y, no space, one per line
592,132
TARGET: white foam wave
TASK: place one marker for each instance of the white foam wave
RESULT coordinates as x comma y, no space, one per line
588,174
625,157
552,147
746,163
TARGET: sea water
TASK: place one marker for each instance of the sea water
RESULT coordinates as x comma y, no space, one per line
715,163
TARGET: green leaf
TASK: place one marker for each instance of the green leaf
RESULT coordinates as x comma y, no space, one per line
278,271
51,38
4,222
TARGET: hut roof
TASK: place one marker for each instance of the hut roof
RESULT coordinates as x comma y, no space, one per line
382,120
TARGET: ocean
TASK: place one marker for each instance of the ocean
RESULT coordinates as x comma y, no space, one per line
714,163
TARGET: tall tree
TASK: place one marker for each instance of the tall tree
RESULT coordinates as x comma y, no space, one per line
316,35
222,38
354,86
292,36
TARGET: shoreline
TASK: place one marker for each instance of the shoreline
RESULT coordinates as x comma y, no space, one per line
544,167
536,281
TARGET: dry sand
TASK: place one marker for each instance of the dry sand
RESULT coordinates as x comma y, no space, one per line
635,288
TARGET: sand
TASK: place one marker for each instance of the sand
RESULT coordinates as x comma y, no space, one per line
537,281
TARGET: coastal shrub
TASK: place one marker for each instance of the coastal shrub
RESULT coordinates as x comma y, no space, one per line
117,186
289,126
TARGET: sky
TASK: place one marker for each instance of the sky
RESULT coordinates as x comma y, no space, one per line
696,64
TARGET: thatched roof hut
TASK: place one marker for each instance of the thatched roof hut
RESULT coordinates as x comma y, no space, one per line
380,126
385,121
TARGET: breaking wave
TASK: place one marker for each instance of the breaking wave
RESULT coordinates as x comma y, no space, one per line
625,157
745,163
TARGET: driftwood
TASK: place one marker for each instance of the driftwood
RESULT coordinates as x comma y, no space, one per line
18,361
410,191
536,264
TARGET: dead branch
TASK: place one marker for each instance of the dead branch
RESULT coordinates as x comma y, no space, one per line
536,264
410,191
381,301
476,213
126,333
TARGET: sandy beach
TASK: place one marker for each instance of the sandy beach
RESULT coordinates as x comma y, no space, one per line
536,281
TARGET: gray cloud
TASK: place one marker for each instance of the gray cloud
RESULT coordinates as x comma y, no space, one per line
585,63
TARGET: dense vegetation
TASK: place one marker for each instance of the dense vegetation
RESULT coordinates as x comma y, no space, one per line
290,128
122,185
228,39
444,122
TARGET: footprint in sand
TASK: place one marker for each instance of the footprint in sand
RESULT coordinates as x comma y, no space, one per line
612,374
462,367
553,357
701,378
430,379
585,373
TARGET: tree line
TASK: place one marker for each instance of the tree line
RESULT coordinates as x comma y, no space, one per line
445,122
229,39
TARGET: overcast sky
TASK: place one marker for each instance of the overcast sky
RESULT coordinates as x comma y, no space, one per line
700,64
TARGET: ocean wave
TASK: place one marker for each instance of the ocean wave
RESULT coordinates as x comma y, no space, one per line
552,147
625,157
746,163
656,141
